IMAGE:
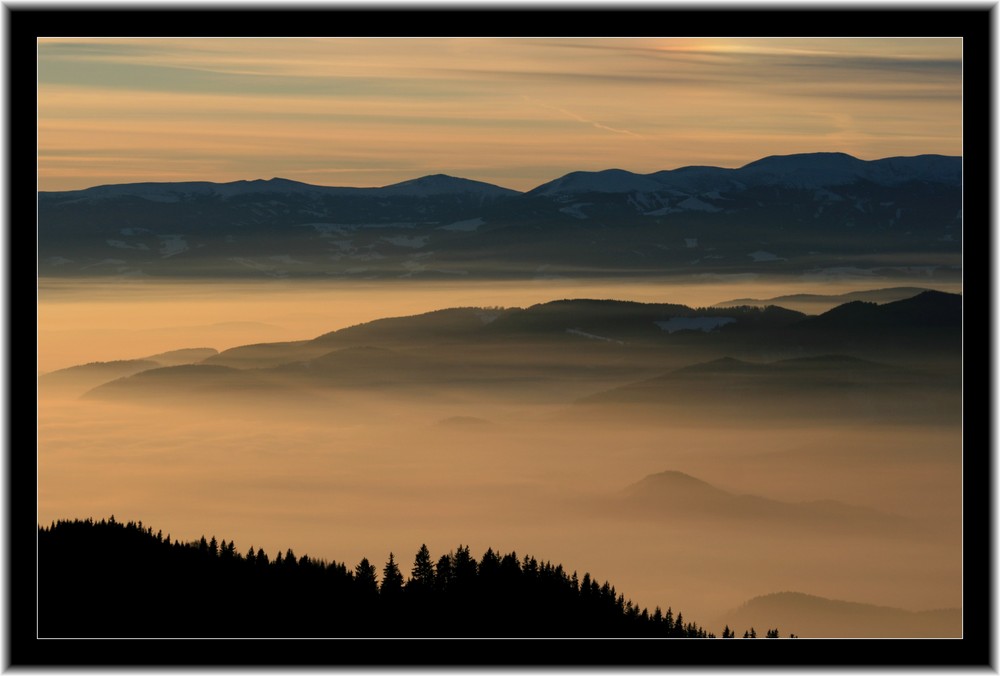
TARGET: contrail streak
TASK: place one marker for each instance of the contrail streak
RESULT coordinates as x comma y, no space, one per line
580,118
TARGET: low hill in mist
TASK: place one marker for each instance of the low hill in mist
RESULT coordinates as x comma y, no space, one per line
926,310
825,386
76,380
815,616
676,496
815,303
192,383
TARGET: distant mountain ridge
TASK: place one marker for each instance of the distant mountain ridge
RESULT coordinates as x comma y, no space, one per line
436,184
806,170
800,170
812,303
815,214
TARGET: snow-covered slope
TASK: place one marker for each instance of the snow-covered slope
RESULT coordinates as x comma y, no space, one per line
782,213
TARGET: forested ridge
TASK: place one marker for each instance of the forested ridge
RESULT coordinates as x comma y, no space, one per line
112,579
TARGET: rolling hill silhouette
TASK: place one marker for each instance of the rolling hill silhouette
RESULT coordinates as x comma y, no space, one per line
824,386
606,343
678,496
815,303
75,380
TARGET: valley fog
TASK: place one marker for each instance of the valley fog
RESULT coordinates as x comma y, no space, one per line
85,320
501,453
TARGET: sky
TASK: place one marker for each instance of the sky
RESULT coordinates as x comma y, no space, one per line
516,112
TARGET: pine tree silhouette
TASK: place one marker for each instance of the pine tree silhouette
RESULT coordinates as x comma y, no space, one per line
499,595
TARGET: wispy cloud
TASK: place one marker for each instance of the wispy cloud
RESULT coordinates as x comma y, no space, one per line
580,118
393,109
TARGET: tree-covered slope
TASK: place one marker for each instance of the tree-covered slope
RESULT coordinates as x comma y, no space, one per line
109,579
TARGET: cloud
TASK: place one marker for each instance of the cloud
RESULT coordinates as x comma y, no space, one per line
581,118
226,109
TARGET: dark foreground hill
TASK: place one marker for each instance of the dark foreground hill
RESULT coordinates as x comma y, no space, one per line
108,579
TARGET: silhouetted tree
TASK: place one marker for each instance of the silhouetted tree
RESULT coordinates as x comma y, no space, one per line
442,573
422,574
392,579
464,567
364,575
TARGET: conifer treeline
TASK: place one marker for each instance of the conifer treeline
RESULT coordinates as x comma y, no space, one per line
109,579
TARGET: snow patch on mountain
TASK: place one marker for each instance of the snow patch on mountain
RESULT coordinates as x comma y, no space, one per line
119,244
574,210
705,324
408,242
286,259
695,204
663,211
823,195
468,225
764,256
105,261
171,245
584,334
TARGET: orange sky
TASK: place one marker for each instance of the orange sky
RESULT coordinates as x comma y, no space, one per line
515,112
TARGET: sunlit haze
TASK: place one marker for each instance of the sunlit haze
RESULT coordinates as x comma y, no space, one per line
514,112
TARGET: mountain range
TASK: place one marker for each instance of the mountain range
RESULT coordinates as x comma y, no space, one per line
822,214
859,360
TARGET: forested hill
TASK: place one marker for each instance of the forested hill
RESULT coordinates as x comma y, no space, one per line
109,579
